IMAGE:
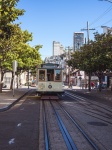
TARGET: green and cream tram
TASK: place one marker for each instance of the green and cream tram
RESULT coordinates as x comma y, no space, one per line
49,79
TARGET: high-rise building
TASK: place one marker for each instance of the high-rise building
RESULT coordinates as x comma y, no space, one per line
58,49
78,40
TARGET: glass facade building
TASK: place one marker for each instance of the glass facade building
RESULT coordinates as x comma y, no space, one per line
78,40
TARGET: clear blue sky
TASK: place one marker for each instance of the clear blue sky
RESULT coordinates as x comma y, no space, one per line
57,20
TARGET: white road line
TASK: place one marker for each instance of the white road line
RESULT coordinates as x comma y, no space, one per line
19,124
11,141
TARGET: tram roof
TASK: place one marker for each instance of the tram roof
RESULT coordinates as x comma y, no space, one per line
49,66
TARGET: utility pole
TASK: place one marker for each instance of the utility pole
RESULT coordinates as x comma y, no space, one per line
88,44
68,68
87,30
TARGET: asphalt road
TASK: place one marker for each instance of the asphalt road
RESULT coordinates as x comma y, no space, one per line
19,126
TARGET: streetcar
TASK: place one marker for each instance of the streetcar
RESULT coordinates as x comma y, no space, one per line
49,79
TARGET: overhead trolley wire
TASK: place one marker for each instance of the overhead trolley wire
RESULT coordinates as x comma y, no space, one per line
104,23
102,15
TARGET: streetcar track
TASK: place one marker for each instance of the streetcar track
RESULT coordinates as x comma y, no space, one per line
73,95
107,115
91,105
67,137
92,114
80,129
69,142
46,135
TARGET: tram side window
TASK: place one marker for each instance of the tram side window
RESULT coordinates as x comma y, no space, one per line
57,75
41,75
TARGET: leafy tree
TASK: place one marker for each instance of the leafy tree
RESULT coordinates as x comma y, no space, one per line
8,14
14,42
102,53
95,57
18,49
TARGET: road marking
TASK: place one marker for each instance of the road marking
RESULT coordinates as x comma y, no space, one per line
19,124
11,141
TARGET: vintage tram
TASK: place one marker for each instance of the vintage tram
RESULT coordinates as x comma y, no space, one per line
49,79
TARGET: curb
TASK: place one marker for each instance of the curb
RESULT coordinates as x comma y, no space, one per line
13,103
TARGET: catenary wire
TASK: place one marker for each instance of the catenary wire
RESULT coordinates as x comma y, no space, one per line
102,15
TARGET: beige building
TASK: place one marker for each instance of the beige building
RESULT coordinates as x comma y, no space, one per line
58,48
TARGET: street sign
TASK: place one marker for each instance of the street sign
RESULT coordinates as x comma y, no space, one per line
14,70
15,66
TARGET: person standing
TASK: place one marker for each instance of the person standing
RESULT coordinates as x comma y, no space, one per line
92,85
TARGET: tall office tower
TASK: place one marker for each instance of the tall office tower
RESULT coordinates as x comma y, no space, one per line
58,49
106,29
78,40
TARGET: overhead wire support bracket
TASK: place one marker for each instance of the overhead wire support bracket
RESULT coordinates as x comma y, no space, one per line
87,31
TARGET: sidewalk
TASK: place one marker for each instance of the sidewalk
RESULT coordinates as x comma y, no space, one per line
9,97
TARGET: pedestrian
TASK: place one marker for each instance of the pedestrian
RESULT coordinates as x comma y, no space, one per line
92,85
71,84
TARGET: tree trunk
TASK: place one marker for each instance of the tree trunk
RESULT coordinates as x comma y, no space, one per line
89,87
100,84
1,82
1,85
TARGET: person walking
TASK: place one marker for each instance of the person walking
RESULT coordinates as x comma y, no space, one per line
92,85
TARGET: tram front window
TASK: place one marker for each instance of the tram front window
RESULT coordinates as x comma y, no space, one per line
57,75
41,75
50,75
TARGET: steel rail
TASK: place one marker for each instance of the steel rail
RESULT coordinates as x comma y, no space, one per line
75,96
46,136
81,130
72,95
68,140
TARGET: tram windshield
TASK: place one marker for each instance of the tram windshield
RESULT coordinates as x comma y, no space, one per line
41,75
50,74
57,75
